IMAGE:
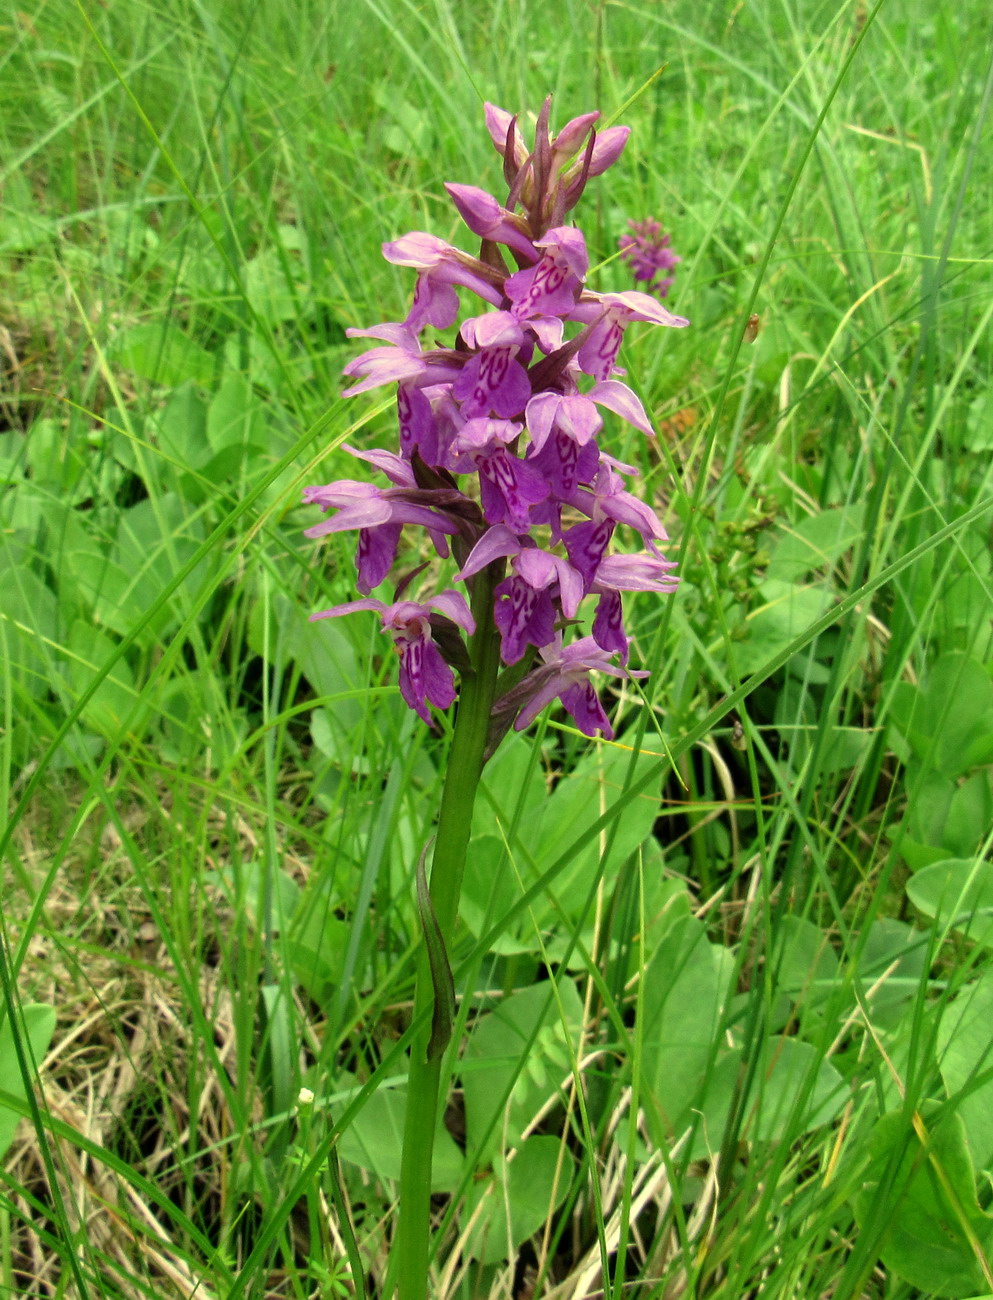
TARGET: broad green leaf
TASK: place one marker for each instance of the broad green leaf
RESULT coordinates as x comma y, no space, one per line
489,889
29,625
316,947
115,697
792,1091
957,893
374,1141
891,965
35,1033
153,541
683,996
163,354
55,460
518,1196
505,1076
965,1058
816,542
181,426
787,612
803,960
252,888
923,1199
235,417
949,720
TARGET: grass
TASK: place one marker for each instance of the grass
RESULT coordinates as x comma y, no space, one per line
714,982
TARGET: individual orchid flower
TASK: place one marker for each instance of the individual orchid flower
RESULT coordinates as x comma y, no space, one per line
607,503
508,486
425,677
486,218
564,675
494,381
400,362
552,286
609,315
442,268
647,571
540,584
379,515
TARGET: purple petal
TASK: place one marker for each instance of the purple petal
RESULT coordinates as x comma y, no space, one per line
570,139
582,701
523,616
508,488
493,381
495,544
486,218
586,544
376,553
608,148
424,676
608,626
350,607
643,572
453,605
617,397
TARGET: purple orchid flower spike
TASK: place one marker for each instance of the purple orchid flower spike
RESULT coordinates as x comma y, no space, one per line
517,406
646,250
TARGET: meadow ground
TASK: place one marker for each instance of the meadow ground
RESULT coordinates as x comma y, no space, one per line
724,989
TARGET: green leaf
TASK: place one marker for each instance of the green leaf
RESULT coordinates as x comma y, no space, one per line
442,983
235,417
316,947
506,1077
923,1198
949,721
163,354
804,961
374,1141
489,889
957,893
965,1058
518,1197
787,612
181,427
35,1032
891,965
792,1091
114,698
29,620
684,992
817,542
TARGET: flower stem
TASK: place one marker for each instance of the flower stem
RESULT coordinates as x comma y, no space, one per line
465,764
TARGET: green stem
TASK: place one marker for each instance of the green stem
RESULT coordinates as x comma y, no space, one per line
465,764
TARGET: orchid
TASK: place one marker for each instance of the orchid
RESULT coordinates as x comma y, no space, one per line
646,250
500,458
